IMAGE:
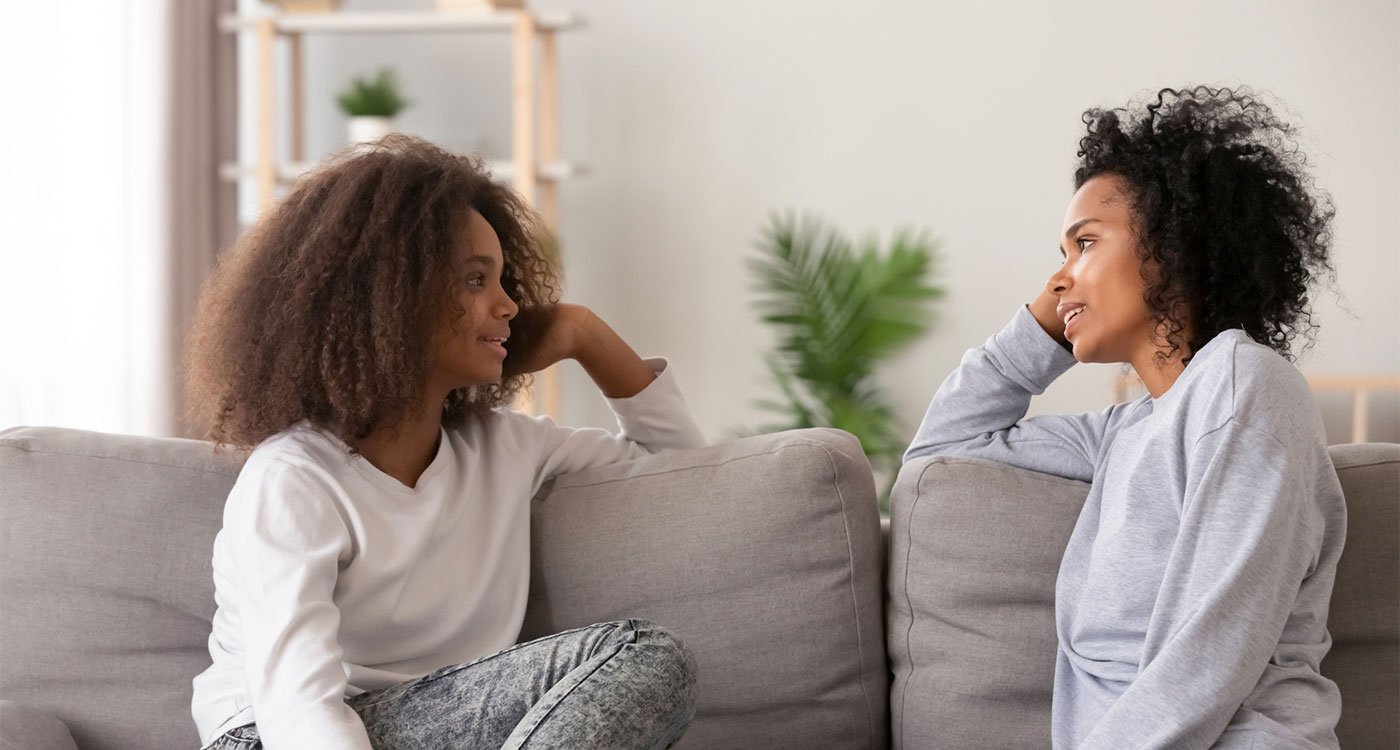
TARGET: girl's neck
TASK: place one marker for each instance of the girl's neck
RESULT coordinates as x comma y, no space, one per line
405,450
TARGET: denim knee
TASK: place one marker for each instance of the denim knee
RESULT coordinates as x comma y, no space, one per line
673,665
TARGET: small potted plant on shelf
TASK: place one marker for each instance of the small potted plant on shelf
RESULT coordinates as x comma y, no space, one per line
372,104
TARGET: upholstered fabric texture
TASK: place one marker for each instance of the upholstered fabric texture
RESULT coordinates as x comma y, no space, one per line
974,549
762,553
27,728
1365,613
105,574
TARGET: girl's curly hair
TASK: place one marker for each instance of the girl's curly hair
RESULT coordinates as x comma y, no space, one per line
1228,220
324,310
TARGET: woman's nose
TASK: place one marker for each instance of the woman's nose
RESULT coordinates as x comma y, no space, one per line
1059,282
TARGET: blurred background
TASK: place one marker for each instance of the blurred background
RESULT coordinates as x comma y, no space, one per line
692,123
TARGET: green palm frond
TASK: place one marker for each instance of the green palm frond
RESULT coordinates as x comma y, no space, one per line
841,309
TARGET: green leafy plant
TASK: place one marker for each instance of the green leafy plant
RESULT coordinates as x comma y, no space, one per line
373,97
841,309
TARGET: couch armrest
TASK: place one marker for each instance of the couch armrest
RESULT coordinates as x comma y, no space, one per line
763,554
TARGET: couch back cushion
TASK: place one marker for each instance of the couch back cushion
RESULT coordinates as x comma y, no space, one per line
974,550
1365,613
106,582
763,554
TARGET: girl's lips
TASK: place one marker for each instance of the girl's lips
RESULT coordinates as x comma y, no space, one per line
496,347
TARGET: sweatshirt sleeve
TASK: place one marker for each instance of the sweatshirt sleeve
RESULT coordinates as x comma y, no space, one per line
656,419
288,539
980,409
1250,535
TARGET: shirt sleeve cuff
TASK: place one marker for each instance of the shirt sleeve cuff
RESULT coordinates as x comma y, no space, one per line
1036,356
658,416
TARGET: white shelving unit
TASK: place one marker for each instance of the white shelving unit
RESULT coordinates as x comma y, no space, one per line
535,168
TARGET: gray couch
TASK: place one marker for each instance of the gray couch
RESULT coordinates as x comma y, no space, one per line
764,554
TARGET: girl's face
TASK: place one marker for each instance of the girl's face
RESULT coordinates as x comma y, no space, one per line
470,347
1100,285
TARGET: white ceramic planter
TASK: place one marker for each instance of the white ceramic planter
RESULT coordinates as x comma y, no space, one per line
365,129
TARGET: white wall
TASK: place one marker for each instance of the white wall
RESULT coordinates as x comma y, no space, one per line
700,118
83,310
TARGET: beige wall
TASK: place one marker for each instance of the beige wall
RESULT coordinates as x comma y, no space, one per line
699,118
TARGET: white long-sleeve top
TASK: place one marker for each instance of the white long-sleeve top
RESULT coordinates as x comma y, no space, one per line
332,578
1191,604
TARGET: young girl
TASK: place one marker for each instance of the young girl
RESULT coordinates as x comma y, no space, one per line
1191,605
371,574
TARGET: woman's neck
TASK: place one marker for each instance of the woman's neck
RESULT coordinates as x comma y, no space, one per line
405,450
1158,375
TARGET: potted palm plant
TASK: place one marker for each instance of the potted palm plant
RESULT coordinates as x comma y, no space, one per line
842,309
372,103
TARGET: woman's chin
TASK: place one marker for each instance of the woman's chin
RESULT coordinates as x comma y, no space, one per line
1084,353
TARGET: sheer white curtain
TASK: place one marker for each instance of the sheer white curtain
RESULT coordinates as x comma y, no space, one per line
88,237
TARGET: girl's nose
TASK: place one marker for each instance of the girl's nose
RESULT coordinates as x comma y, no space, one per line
508,307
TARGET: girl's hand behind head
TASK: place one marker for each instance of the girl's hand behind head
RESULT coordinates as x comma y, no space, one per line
542,336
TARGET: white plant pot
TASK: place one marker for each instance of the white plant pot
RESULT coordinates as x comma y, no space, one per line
366,129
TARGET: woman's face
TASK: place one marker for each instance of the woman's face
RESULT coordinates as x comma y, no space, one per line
1100,285
470,346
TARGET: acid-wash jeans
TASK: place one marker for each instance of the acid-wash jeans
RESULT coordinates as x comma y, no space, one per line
627,684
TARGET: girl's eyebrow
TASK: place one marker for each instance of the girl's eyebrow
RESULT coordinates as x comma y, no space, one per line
482,260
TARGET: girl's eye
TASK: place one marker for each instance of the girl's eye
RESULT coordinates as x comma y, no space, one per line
1084,243
477,281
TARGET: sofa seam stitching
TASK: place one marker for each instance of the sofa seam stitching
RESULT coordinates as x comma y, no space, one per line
855,599
908,599
51,452
725,462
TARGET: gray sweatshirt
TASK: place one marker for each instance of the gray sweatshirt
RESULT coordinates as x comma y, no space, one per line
1191,604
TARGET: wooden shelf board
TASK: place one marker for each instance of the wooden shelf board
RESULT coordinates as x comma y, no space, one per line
398,22
500,170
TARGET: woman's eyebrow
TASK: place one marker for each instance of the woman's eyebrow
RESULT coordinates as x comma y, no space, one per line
1076,226
482,260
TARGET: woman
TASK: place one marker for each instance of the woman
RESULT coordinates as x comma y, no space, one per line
1191,604
365,340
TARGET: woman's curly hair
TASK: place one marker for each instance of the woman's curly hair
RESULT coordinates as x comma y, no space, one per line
1230,227
324,310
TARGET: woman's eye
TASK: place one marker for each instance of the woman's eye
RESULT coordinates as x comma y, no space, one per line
1084,243
477,281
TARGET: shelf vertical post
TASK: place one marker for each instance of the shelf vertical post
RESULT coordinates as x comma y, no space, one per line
297,76
523,148
549,126
523,91
549,189
266,172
